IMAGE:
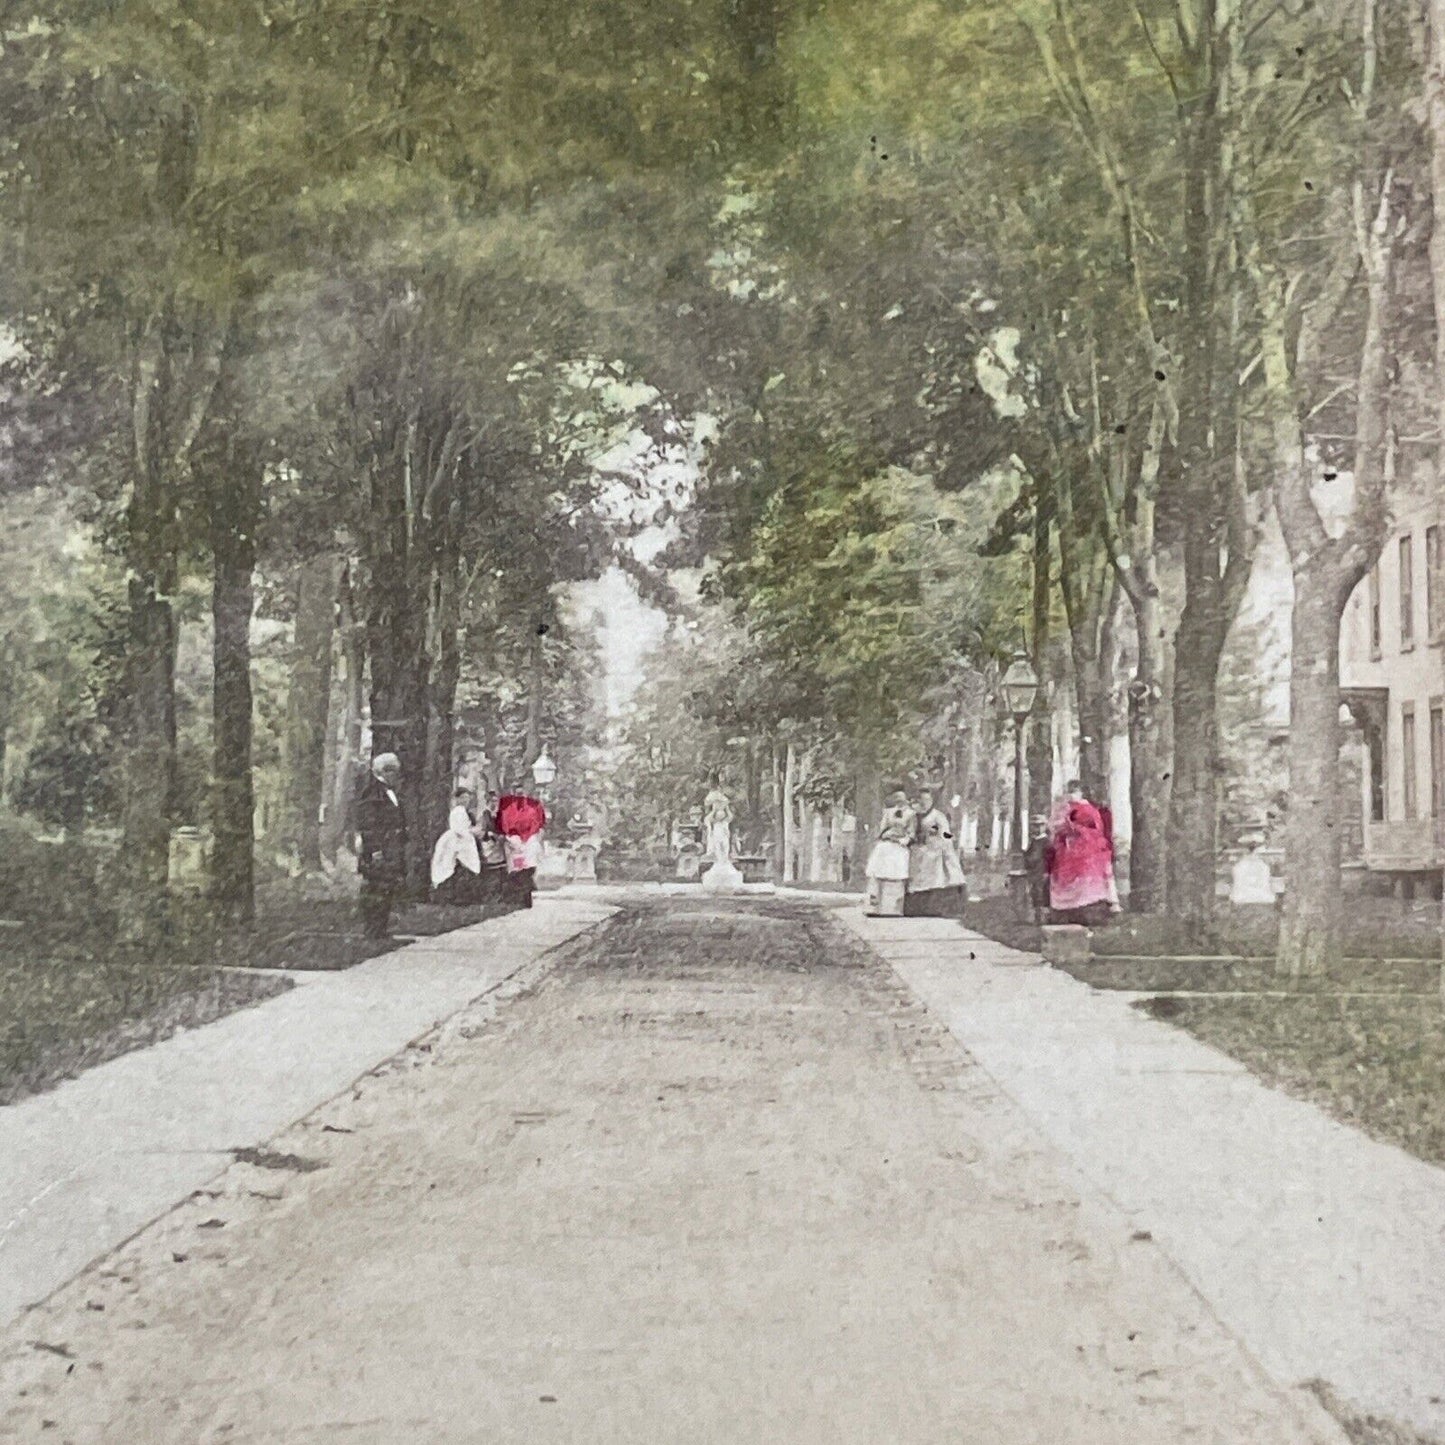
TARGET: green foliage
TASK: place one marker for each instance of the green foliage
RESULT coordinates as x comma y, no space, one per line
676,731
866,592
66,780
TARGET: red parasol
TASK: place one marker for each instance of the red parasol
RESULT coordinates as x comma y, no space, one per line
519,816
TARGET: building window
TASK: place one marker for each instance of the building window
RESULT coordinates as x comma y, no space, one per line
1377,629
1407,762
1437,760
1407,593
1375,753
1434,585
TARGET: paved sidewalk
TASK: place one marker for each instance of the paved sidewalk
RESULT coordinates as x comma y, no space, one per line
91,1162
1321,1249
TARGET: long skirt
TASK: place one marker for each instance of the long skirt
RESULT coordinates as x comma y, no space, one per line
464,889
886,897
493,882
1091,915
946,902
519,887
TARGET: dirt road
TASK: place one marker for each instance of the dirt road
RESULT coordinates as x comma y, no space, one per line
714,1177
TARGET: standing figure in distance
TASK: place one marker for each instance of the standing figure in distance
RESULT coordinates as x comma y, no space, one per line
456,861
935,876
1037,858
520,820
1081,861
493,852
381,857
888,862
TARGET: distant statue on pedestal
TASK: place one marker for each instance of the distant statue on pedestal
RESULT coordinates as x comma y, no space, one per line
1251,879
717,817
582,855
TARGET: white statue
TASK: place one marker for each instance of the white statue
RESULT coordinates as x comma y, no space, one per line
717,817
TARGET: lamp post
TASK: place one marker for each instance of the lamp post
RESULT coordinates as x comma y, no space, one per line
1020,689
543,771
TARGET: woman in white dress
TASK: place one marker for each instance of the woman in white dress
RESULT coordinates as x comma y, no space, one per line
936,887
888,862
456,861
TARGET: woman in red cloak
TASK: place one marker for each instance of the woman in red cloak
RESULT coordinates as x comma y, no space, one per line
520,820
1080,860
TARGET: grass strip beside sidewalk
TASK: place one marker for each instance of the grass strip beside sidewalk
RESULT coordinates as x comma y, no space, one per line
59,1016
1375,1063
72,997
1365,1041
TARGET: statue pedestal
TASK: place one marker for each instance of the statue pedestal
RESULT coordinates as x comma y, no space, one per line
582,865
722,877
1252,882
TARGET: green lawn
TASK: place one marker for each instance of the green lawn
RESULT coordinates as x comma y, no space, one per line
1257,975
63,1012
1366,1041
71,996
1376,1063
1376,929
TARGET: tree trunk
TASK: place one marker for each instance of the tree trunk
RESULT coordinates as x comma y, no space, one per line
752,793
1151,753
1309,928
986,781
1194,800
780,816
1092,692
867,811
235,509
395,642
148,756
534,695
790,819
967,790
1091,598
1192,844
1040,759
1041,739
494,766
345,781
333,762
444,674
173,381
7,705
148,726
1326,571
308,704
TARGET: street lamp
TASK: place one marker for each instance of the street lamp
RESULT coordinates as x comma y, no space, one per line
1020,690
544,769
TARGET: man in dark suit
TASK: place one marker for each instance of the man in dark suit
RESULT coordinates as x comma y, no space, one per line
382,857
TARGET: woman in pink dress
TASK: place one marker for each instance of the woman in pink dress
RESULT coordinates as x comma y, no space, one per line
1080,860
520,820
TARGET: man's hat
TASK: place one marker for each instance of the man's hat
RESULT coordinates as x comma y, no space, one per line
897,800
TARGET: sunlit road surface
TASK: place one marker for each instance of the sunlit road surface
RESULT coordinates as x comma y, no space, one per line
713,1176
